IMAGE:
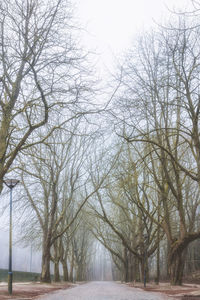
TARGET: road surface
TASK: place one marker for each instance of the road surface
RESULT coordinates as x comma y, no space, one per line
103,290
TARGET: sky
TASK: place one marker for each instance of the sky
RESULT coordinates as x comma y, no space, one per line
112,24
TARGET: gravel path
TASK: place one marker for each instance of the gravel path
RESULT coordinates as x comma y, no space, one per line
103,290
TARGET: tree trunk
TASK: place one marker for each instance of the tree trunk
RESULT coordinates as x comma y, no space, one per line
56,272
176,267
131,267
65,271
136,269
71,268
157,280
144,269
125,265
45,275
80,272
141,271
125,272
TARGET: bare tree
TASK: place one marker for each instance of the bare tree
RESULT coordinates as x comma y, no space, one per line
59,175
120,210
39,73
54,172
160,101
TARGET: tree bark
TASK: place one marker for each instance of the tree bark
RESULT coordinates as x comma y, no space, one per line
131,267
45,274
79,273
176,267
125,265
71,268
65,271
56,272
157,280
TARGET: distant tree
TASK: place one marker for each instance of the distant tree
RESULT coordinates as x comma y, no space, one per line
57,185
123,227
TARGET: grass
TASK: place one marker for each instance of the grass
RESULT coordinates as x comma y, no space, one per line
19,276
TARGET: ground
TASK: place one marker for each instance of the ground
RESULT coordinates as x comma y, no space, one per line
186,291
27,291
30,290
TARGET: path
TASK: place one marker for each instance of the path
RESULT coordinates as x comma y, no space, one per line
103,290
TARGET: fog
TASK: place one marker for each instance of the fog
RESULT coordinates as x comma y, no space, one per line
24,259
28,259
100,266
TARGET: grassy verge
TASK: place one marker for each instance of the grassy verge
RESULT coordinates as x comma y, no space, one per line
19,276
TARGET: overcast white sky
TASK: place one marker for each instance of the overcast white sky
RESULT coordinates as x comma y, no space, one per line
112,24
